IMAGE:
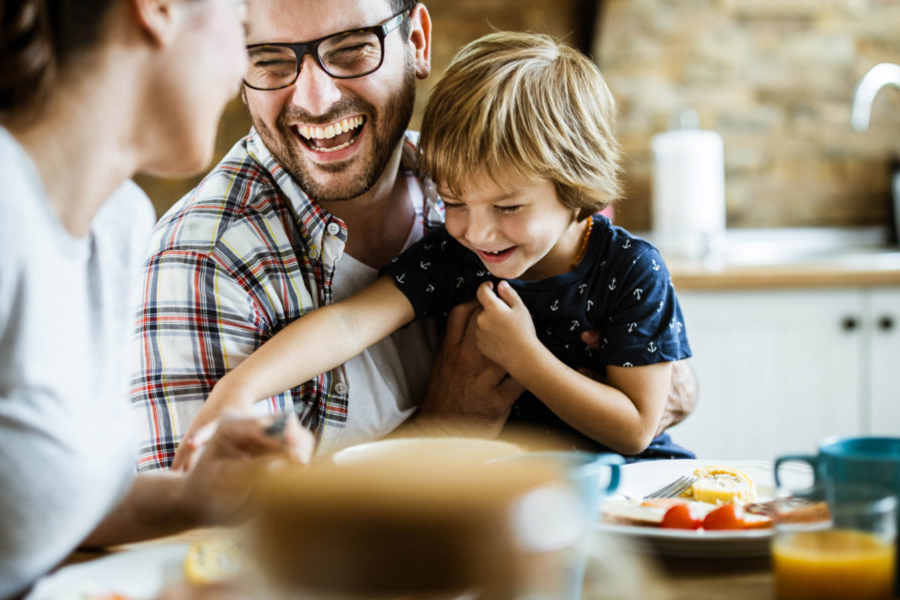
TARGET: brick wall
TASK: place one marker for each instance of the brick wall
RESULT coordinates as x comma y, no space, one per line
775,77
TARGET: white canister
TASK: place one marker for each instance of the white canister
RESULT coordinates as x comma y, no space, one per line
688,193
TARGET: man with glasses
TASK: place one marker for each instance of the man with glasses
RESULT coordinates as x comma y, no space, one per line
301,213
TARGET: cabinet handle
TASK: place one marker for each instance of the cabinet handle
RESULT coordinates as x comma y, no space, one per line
849,323
885,322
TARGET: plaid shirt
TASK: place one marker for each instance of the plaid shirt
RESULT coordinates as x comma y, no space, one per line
233,262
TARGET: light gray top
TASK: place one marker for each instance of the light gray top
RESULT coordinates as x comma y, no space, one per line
66,322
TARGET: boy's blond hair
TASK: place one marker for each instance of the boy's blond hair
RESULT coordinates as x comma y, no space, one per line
520,106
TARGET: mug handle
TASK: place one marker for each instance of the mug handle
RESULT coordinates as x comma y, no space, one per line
809,459
612,461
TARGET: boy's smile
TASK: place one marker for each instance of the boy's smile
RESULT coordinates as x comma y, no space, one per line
518,231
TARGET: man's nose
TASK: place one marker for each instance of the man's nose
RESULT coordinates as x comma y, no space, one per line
315,90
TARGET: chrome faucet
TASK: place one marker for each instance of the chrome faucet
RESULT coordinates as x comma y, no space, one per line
868,87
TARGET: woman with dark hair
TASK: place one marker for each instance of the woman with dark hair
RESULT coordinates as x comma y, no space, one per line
91,92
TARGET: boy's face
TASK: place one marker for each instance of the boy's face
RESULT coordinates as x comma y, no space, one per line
375,108
518,231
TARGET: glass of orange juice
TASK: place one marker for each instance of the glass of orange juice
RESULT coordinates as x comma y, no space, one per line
836,549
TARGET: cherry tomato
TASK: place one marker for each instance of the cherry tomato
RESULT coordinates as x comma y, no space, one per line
724,517
679,517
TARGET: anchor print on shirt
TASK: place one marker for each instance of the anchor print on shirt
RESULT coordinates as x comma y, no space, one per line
481,273
574,325
424,265
400,278
627,364
655,264
428,246
626,245
459,282
676,324
652,347
638,293
612,284
581,288
429,289
444,245
632,327
555,306
590,305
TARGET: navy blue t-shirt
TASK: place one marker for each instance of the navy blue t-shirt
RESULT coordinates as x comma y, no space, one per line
621,287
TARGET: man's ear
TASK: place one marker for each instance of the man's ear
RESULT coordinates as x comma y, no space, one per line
156,19
420,39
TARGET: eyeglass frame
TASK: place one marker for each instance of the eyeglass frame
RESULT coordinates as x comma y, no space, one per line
301,49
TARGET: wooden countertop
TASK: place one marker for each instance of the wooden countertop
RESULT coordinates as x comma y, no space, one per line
851,270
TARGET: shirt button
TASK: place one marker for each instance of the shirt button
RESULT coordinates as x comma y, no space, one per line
340,387
314,254
333,228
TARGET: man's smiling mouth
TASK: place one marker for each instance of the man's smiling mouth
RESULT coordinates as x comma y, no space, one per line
333,137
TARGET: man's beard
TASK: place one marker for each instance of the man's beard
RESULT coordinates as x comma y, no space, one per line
386,130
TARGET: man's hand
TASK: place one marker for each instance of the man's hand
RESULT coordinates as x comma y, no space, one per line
682,396
467,393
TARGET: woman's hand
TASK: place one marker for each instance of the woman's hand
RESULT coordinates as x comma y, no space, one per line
504,329
225,468
221,402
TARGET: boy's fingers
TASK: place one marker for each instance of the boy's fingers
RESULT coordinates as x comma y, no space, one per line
508,294
485,294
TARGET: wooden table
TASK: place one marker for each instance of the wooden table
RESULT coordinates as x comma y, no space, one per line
713,579
674,578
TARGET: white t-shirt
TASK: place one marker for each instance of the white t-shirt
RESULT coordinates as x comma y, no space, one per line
387,381
66,322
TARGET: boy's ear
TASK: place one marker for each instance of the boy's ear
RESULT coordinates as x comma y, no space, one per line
420,39
156,19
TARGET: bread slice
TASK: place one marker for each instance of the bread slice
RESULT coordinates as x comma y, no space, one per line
214,560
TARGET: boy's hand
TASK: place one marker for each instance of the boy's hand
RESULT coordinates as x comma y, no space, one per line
504,327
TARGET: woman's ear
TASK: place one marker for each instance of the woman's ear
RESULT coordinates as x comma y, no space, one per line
156,19
420,39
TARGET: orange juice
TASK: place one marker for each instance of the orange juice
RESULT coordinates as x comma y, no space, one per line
833,564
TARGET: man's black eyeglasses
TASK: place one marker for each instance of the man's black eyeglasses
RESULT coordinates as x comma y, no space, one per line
343,55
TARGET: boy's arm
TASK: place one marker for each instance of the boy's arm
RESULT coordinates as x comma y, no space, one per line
316,342
623,414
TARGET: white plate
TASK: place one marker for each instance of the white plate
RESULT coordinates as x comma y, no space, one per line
140,573
639,479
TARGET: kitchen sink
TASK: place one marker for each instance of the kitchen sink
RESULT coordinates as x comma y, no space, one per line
864,248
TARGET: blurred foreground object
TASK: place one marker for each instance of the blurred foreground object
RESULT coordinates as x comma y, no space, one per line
421,520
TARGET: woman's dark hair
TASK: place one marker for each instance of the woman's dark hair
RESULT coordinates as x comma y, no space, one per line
38,38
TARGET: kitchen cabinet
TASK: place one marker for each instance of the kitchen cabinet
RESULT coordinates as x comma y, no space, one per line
779,369
884,362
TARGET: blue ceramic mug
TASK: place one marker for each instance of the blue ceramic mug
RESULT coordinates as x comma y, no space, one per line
592,477
845,464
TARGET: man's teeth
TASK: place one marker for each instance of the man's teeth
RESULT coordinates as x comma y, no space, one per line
328,132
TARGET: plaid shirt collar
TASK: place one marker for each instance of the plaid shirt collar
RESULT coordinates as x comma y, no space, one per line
314,229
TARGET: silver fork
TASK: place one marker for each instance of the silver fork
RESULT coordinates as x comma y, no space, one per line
673,489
